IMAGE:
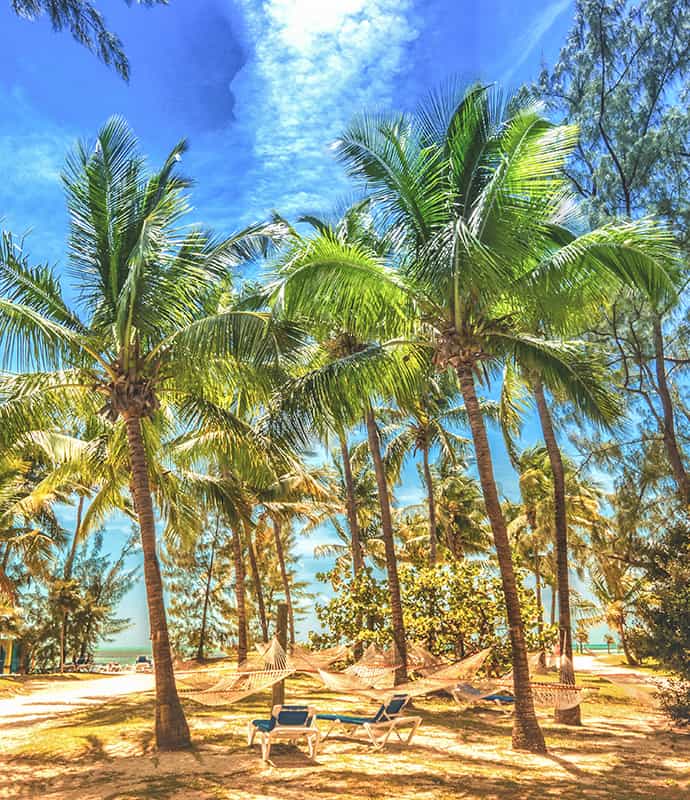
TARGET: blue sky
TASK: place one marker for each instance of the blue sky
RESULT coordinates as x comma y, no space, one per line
260,89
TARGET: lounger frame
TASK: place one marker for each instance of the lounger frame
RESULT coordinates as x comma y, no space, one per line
378,733
289,732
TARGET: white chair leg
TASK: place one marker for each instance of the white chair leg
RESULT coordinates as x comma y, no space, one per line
265,747
251,734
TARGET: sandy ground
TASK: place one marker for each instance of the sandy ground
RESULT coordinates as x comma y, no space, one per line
21,713
627,757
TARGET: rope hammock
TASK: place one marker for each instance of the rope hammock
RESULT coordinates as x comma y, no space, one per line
442,678
376,667
305,660
420,659
258,672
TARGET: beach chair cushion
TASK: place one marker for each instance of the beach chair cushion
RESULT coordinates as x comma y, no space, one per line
346,718
501,698
288,716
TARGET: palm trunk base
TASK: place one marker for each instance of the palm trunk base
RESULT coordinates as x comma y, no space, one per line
568,716
527,734
172,731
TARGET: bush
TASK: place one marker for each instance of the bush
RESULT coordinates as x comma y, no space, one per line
674,698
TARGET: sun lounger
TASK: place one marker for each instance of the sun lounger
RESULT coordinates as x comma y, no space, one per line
286,722
379,727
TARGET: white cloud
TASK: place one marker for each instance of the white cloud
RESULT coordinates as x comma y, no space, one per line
314,65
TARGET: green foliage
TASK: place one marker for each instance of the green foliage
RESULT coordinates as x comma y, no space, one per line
664,616
674,699
87,603
453,609
201,612
358,612
623,78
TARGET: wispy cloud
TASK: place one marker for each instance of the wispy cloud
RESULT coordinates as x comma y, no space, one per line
534,32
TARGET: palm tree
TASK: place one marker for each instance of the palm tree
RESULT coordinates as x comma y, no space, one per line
147,345
422,424
471,191
617,586
86,24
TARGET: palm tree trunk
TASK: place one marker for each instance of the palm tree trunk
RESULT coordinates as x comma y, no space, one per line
389,546
673,452
629,658
207,594
277,534
570,716
240,599
351,502
356,542
527,734
554,595
69,564
432,505
540,604
69,561
172,732
258,588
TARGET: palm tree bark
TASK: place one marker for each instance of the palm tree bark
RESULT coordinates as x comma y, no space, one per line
629,657
67,574
207,594
351,503
673,451
277,534
69,561
570,716
432,505
389,546
527,734
258,588
240,599
353,522
172,732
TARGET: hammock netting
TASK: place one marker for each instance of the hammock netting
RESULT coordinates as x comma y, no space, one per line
370,677
435,680
268,665
305,660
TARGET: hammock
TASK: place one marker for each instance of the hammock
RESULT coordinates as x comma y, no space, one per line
376,667
420,659
459,671
345,683
305,660
443,678
258,672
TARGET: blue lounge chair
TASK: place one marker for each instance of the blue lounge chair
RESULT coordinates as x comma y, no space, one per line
380,726
286,722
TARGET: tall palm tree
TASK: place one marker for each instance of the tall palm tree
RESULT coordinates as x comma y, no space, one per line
140,338
86,24
471,189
